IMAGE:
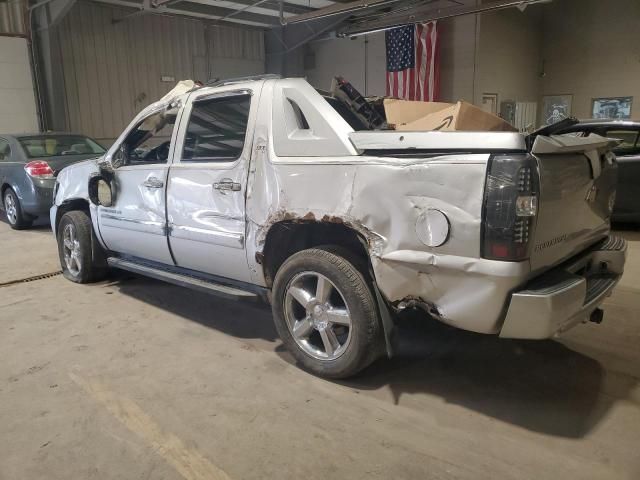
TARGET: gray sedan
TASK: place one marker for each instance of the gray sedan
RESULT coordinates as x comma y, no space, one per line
627,206
29,164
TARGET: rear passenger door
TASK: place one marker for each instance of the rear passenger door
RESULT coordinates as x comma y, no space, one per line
207,184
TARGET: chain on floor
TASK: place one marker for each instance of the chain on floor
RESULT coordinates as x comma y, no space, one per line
31,279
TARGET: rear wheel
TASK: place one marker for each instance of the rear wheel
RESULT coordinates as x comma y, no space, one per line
75,248
325,312
15,216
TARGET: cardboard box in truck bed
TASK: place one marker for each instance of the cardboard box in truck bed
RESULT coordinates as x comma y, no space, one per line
462,116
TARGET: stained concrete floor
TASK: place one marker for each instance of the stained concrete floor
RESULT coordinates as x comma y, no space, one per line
134,379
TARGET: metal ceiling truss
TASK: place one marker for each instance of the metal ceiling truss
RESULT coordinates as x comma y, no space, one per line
255,13
348,18
390,18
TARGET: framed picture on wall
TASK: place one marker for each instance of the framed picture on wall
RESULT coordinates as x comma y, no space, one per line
556,108
490,103
611,107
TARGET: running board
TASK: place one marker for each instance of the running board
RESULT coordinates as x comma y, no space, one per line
181,280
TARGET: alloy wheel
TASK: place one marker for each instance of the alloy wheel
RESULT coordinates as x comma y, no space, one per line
317,316
71,250
11,208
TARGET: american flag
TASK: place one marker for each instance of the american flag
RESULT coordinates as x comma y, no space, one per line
412,62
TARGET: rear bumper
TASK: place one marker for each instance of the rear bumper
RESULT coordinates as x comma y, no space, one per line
38,201
567,295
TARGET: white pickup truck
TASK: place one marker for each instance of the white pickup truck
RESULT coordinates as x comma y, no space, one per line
261,189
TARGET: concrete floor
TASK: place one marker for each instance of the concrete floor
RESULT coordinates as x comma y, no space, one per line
132,378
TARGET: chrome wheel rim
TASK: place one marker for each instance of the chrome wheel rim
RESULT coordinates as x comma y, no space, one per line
11,208
317,316
71,250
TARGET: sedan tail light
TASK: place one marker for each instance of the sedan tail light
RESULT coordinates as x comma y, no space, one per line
39,169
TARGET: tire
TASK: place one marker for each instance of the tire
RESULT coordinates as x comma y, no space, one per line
348,314
76,250
15,216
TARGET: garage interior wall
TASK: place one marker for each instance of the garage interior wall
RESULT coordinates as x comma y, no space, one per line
110,71
520,56
362,60
603,60
18,113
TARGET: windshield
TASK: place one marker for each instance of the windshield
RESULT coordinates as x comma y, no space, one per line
56,145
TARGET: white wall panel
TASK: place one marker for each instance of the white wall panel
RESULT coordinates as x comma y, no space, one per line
17,101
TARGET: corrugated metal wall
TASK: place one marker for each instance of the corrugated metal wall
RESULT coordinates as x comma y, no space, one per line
12,17
112,70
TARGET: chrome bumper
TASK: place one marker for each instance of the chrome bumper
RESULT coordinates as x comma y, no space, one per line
567,295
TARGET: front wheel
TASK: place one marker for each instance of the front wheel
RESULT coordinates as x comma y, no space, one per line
325,312
75,248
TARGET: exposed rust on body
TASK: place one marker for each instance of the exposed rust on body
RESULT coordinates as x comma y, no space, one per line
418,302
332,219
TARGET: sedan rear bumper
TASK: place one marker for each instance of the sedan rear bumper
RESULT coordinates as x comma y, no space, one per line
567,295
38,201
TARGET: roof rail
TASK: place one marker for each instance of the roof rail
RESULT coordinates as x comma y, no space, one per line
216,82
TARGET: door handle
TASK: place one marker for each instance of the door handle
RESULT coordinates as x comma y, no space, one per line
226,185
153,182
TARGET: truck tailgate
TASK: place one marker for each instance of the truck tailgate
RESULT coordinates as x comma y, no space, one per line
577,190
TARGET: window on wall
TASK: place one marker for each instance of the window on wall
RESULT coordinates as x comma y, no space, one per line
217,129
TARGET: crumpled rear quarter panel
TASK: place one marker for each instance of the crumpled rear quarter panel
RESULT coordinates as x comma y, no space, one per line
382,198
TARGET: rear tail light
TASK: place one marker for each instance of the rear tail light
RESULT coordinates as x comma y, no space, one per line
510,207
39,169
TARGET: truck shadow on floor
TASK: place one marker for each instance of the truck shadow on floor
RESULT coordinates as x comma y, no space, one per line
542,386
240,319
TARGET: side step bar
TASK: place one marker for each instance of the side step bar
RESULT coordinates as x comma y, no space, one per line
188,281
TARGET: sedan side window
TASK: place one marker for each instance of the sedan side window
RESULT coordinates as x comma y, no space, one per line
5,150
216,129
629,139
149,142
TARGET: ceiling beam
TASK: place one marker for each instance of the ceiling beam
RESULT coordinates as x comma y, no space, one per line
423,15
338,9
221,12
268,7
210,14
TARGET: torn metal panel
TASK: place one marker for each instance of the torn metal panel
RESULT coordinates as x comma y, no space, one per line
558,144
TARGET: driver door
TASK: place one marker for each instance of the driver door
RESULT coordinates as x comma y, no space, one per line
136,223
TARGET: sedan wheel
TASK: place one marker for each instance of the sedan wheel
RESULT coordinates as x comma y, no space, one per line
11,208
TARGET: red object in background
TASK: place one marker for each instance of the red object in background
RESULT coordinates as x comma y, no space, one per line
413,70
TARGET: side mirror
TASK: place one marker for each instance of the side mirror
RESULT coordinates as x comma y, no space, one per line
102,189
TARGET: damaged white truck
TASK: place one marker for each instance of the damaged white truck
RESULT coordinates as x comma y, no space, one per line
262,189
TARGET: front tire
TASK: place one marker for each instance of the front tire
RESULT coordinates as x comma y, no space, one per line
15,216
325,312
75,248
